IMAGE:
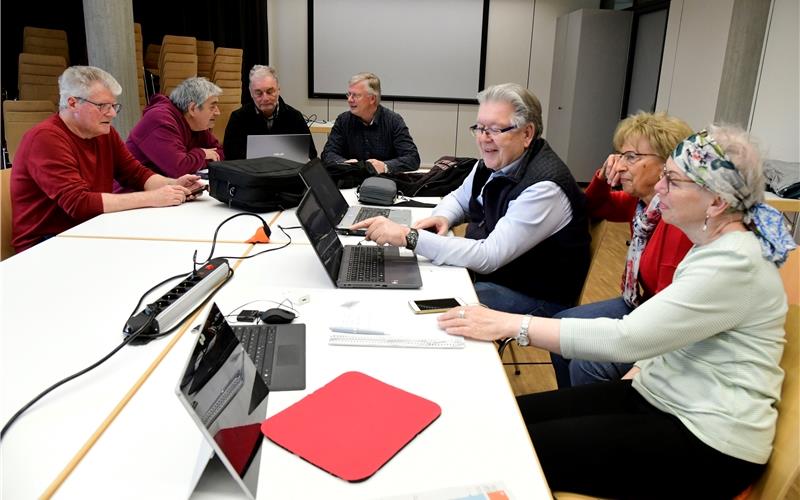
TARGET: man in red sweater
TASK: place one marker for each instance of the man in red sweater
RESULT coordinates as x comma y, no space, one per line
65,166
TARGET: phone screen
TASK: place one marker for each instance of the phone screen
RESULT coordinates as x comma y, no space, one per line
427,305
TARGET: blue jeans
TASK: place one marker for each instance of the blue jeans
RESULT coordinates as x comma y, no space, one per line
504,299
572,372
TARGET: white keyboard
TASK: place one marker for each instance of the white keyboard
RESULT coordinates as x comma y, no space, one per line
395,341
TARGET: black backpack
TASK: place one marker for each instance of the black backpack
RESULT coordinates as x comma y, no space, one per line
257,185
445,176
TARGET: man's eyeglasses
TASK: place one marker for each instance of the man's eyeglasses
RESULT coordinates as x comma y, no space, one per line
671,181
104,107
354,95
490,131
631,157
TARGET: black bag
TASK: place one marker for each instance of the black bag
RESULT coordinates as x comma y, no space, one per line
257,185
444,176
350,175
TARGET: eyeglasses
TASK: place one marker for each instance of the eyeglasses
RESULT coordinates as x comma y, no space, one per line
104,107
671,181
632,157
354,95
490,131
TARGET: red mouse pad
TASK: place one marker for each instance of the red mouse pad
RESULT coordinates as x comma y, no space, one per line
352,426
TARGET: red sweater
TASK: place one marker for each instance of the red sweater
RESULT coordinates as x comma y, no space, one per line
165,143
57,179
664,250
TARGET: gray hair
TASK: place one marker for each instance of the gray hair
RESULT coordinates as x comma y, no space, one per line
743,152
527,108
193,90
373,83
260,71
77,81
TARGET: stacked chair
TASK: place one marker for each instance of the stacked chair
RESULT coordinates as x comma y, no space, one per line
177,61
137,41
38,76
226,72
19,116
151,58
205,58
45,41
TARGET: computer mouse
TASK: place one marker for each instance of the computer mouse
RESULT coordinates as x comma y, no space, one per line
277,315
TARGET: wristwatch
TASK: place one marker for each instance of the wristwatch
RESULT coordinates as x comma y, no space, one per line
522,338
411,239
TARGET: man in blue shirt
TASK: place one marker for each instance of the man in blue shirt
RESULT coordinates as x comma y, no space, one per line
527,242
370,132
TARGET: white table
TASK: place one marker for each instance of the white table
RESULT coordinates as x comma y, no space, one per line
64,303
193,221
480,437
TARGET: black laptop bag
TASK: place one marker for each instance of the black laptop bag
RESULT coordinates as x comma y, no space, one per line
256,185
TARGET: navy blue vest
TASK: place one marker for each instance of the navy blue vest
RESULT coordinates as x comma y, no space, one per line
555,269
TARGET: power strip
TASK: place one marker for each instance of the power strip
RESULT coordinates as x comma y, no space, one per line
177,303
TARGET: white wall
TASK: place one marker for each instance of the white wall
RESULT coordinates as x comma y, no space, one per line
694,53
776,111
519,49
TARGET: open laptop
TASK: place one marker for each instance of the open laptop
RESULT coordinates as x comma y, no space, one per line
293,147
227,399
355,266
339,213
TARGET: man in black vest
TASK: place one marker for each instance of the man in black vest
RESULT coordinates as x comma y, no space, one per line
266,114
527,242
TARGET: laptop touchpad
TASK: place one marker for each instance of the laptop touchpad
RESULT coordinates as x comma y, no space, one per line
287,355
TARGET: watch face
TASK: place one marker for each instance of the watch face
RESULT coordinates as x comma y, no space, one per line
523,340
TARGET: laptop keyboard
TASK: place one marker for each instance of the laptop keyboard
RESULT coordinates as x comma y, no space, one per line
365,265
259,342
366,213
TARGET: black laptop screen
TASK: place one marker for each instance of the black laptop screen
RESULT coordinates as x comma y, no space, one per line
227,398
318,180
321,234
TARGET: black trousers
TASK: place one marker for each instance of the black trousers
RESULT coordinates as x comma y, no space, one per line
606,440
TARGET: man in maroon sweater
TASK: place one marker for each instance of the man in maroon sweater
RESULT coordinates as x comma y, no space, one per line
173,138
65,166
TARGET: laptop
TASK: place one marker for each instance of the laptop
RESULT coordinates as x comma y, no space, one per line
339,213
227,399
289,146
355,266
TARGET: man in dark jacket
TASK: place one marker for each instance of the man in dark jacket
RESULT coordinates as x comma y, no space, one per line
527,242
267,114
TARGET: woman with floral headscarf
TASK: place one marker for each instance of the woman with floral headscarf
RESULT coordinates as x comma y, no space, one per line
698,410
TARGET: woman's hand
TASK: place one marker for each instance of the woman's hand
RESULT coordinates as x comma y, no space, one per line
481,323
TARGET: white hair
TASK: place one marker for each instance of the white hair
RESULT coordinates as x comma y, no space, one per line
77,81
193,90
527,108
260,71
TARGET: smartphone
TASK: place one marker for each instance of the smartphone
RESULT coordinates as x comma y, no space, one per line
434,305
199,190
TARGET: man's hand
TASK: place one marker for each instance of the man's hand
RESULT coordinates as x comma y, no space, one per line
441,224
383,231
190,181
379,166
169,195
211,154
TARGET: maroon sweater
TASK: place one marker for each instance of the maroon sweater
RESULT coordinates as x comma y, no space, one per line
164,142
57,179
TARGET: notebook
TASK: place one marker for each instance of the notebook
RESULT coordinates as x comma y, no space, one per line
340,443
339,213
227,399
293,147
355,266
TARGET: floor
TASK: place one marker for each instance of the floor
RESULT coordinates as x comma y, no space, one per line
603,283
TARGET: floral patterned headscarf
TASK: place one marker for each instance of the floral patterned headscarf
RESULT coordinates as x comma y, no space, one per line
704,162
